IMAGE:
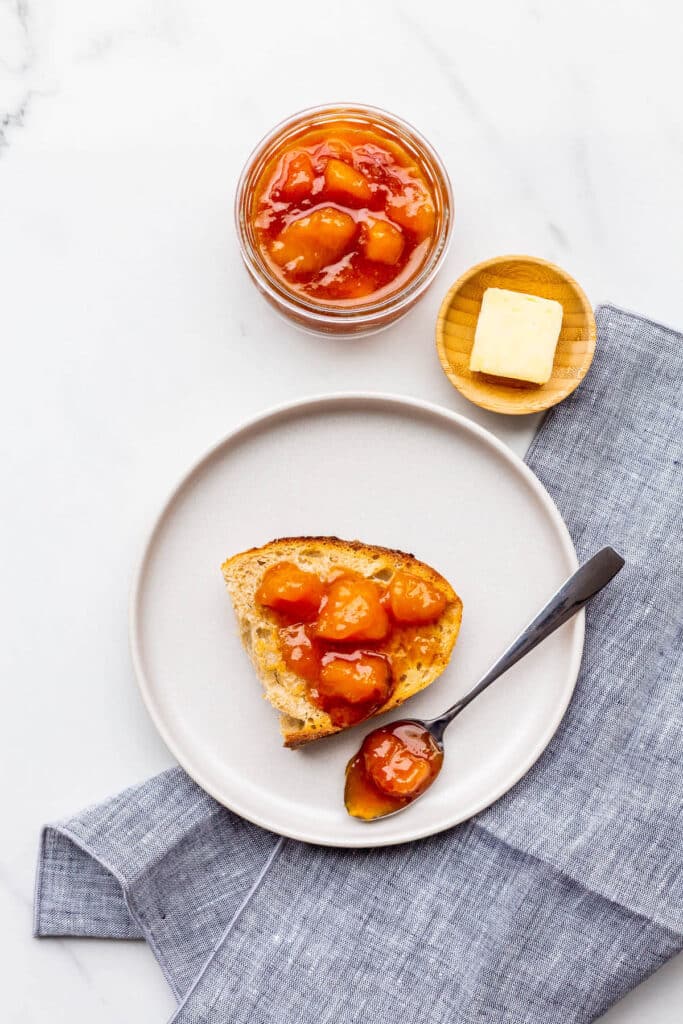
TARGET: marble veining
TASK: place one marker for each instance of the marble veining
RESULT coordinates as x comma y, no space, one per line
446,61
13,119
17,54
17,57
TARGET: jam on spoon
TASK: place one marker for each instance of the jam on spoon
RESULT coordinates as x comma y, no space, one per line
398,762
394,766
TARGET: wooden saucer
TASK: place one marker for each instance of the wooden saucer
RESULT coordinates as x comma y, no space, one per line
457,321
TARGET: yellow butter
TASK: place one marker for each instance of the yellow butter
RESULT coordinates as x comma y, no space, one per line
516,336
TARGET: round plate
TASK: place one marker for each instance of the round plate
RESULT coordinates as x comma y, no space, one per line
391,471
457,321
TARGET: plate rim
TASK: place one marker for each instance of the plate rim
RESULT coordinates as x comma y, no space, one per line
310,404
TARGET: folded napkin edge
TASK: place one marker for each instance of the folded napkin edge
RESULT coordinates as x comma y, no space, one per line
81,844
125,885
667,926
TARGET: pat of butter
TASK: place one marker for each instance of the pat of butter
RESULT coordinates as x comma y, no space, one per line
516,336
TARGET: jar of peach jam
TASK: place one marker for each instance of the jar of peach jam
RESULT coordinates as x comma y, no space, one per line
344,215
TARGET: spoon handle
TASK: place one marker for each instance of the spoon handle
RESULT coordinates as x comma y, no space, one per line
587,581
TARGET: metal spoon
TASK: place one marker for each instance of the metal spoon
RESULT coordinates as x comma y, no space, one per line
587,581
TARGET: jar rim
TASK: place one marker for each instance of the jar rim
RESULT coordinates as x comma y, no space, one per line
324,314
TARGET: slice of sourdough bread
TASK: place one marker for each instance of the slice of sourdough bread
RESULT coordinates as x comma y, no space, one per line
419,654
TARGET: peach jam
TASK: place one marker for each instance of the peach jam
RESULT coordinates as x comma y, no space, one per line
393,767
336,633
340,212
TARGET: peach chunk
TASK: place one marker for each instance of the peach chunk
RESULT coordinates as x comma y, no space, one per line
415,600
334,148
287,588
299,178
353,611
298,652
413,209
312,242
383,242
393,768
359,679
339,177
402,761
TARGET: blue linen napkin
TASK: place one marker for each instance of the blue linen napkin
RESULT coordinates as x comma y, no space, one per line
546,908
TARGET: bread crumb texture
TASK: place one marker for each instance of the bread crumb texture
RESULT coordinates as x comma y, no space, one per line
418,654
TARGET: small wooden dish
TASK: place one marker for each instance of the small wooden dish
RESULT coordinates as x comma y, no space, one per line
457,321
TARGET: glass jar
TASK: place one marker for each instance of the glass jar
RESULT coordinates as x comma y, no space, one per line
362,315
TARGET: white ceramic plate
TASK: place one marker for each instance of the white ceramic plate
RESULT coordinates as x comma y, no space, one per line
390,471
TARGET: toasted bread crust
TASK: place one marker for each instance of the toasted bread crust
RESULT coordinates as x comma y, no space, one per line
414,667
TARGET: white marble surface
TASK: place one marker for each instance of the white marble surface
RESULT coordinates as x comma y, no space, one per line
132,339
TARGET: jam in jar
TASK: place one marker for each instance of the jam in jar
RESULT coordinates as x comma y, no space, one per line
344,214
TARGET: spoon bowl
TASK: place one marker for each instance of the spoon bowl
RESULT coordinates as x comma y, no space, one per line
395,765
